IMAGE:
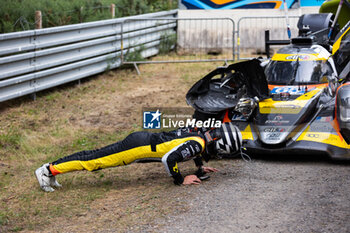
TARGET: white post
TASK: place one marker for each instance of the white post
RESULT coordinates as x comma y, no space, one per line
112,9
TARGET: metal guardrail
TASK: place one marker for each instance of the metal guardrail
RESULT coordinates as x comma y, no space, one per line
251,32
36,60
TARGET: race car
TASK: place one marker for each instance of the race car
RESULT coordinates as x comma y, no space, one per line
296,102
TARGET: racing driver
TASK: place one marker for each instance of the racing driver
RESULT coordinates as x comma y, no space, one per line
169,147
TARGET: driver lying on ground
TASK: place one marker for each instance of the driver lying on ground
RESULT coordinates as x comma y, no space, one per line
168,147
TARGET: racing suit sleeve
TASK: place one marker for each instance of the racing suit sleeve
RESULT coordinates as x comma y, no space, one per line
198,161
182,152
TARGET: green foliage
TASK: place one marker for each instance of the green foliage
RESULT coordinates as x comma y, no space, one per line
135,7
111,61
135,54
131,7
167,43
16,229
10,139
3,218
19,15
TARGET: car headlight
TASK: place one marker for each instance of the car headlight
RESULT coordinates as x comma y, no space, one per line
345,110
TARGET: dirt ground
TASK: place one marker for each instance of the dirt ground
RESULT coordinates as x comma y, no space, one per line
295,194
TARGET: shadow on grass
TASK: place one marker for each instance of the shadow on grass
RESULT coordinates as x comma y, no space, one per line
116,180
26,99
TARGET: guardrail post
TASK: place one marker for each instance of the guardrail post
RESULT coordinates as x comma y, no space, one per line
38,20
33,96
112,9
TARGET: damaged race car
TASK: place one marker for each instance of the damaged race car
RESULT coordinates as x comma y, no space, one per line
296,102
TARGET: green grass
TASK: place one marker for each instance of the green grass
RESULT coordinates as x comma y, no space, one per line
3,218
10,139
67,119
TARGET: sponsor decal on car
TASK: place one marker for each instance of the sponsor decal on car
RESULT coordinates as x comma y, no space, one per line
300,57
273,136
289,106
292,90
277,120
312,135
274,129
324,119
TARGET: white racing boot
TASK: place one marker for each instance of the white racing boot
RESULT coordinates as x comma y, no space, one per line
45,178
54,183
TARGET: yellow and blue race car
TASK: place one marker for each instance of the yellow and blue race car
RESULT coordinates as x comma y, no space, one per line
296,102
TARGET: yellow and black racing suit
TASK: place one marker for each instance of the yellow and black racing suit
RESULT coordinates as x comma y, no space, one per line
168,147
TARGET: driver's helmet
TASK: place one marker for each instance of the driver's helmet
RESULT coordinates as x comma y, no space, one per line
227,139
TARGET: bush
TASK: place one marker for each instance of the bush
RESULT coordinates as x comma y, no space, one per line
19,15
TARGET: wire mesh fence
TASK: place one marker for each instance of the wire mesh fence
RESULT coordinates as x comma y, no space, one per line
183,40
251,33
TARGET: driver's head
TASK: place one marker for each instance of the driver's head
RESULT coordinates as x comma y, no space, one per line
226,140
